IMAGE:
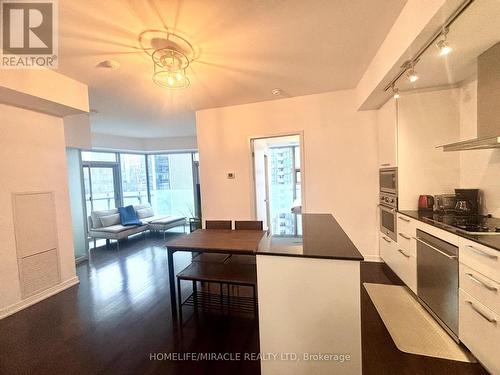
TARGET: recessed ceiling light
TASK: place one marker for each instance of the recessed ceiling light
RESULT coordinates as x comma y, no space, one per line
109,64
276,92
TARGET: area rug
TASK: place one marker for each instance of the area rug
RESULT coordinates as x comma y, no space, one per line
411,327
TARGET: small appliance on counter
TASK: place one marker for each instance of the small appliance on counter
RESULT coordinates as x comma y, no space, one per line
426,203
445,202
469,202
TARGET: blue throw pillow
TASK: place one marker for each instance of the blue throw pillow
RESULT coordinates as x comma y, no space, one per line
128,216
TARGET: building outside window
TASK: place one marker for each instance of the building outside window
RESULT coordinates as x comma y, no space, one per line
285,188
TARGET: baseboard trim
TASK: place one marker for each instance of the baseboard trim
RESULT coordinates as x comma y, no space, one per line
372,258
21,305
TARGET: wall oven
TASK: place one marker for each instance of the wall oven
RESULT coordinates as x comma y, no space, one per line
387,212
388,180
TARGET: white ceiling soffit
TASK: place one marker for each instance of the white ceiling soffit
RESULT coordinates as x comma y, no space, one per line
247,48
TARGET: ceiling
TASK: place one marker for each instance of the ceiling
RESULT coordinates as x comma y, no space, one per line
473,32
246,48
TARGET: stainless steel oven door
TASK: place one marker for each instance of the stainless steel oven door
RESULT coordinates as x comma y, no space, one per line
388,221
388,180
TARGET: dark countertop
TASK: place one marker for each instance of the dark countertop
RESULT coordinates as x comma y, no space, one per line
322,237
490,240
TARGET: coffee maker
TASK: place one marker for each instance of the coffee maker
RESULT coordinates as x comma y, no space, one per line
469,202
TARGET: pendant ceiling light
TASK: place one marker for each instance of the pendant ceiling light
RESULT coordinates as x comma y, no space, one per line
171,55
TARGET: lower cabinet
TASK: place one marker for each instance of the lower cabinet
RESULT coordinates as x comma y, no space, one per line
479,330
402,261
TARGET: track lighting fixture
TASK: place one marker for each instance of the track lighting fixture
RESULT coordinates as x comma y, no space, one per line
411,73
443,45
395,91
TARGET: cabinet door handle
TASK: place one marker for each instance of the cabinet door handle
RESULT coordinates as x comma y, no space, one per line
491,320
404,236
482,283
404,219
404,254
481,252
436,249
386,239
385,164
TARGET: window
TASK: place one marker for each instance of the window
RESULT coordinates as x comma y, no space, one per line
133,179
171,184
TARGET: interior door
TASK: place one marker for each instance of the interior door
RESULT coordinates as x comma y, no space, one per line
267,200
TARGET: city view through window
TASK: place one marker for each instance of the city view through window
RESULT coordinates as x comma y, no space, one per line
164,180
284,171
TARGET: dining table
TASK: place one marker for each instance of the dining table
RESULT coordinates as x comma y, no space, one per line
225,241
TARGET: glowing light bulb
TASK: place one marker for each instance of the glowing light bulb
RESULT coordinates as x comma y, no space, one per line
444,47
170,81
396,93
412,75
178,76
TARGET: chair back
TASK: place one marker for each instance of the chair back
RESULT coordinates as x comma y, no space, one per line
248,225
218,224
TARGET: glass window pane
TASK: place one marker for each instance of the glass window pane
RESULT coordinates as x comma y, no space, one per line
282,190
134,183
171,184
102,188
98,156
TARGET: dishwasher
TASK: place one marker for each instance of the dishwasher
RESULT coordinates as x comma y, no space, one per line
437,280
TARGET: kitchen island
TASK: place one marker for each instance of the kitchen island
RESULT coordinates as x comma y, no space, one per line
309,300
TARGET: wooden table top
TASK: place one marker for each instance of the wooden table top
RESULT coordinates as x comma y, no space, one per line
218,241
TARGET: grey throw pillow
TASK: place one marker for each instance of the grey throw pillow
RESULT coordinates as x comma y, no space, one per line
145,212
109,220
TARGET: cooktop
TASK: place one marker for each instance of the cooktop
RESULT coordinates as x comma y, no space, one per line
471,224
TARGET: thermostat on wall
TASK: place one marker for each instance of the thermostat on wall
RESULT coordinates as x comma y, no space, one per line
230,175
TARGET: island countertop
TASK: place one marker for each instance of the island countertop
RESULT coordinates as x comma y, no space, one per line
318,236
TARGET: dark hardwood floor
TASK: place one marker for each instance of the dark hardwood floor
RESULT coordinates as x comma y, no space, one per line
119,315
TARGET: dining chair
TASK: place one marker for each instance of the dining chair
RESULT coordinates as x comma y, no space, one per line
248,225
218,224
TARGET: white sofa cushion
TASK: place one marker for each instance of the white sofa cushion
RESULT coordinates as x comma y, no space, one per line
116,228
144,213
109,220
167,220
96,216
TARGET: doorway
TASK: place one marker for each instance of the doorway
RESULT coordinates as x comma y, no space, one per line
278,183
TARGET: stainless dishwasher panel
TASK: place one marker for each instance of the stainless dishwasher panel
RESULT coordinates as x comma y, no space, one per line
437,279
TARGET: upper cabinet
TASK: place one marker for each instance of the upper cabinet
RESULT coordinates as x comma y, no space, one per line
387,134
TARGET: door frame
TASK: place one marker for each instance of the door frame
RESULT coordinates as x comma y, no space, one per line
300,134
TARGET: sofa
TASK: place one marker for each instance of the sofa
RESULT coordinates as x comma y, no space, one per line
106,224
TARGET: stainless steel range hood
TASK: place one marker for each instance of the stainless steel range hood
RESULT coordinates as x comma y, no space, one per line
488,104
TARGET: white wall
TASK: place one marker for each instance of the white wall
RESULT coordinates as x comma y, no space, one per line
340,158
478,168
427,120
77,131
32,158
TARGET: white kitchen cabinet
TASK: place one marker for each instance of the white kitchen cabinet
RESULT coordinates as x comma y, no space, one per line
479,330
400,260
482,288
387,134
480,258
